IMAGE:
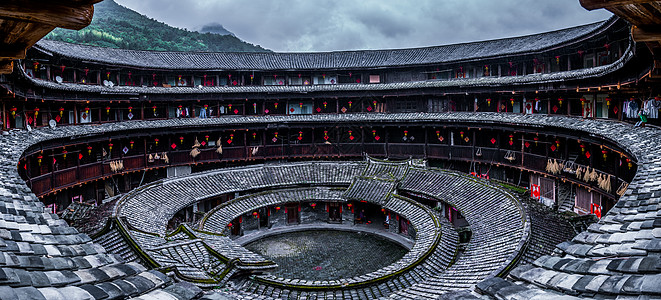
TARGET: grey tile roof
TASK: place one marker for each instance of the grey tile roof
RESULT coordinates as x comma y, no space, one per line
538,78
324,60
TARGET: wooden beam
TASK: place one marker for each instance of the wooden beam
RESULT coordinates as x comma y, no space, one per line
597,4
642,35
12,51
54,14
6,67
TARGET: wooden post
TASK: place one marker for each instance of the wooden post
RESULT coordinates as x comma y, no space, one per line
426,132
523,150
145,153
3,115
386,144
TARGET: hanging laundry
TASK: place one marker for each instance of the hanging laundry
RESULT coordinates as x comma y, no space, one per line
630,109
651,108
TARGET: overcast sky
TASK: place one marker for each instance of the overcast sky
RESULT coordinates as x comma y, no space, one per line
306,25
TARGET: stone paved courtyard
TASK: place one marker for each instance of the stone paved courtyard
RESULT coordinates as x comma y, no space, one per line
327,255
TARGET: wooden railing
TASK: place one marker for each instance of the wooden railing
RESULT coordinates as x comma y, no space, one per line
50,182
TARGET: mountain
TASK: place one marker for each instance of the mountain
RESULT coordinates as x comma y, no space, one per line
116,26
216,28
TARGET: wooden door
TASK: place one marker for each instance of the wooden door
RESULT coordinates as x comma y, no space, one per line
292,214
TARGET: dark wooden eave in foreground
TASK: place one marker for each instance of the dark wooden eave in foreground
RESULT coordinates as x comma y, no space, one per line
24,22
645,15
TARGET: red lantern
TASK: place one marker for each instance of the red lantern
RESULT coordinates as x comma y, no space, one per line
87,110
130,108
156,141
61,111
582,101
110,146
489,101
131,143
560,101
89,150
512,101
608,101
64,154
39,158
36,112
13,112
325,103
350,102
206,137
107,109
181,140
276,105
313,205
36,65
254,135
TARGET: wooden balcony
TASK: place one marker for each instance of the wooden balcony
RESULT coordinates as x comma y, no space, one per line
60,179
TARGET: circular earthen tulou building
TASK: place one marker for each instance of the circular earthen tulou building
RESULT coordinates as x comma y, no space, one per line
514,168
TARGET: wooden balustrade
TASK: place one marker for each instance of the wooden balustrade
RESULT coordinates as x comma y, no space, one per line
46,183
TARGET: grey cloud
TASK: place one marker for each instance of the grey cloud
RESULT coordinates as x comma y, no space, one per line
303,25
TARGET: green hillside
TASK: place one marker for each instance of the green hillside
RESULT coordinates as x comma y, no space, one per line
116,26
